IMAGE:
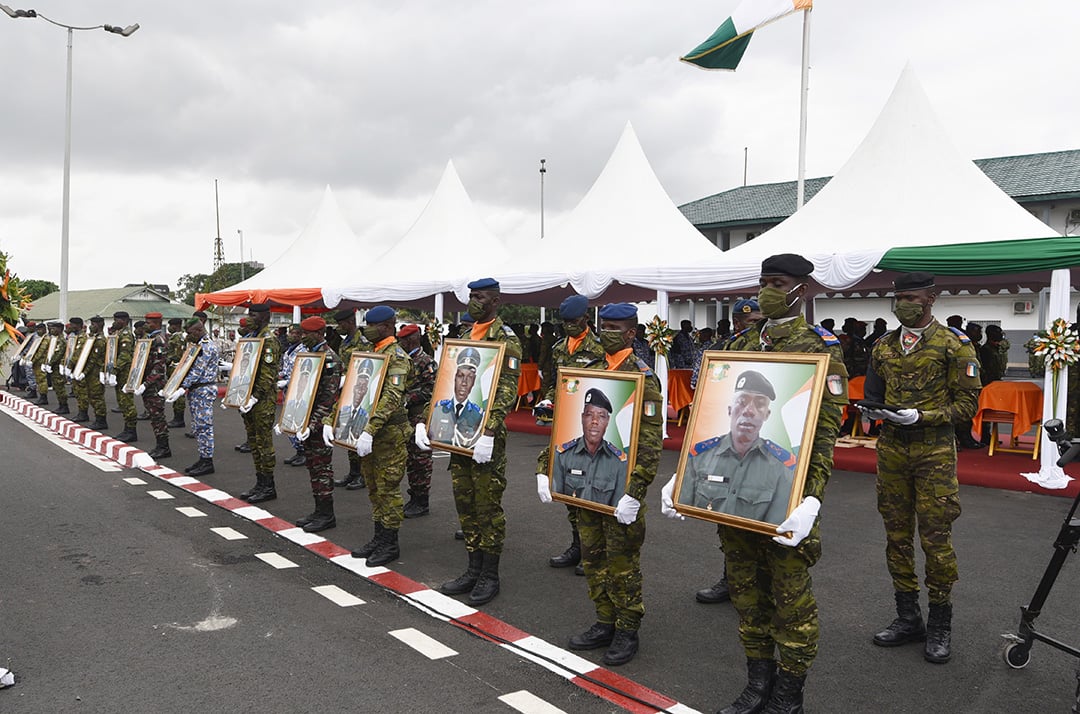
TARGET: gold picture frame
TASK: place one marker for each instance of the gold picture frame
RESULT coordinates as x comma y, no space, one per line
139,357
359,396
299,395
112,343
182,368
70,343
242,376
465,384
84,356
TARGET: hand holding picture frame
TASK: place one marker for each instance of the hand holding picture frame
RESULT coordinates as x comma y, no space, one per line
69,352
111,345
359,396
242,376
465,384
301,391
139,358
594,436
182,368
84,357
748,443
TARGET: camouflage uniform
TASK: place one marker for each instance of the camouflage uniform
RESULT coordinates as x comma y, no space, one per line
59,380
417,397
389,427
154,378
125,350
95,365
259,422
939,376
318,456
177,344
770,583
37,360
611,551
78,386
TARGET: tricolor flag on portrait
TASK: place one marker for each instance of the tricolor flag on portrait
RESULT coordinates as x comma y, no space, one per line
725,48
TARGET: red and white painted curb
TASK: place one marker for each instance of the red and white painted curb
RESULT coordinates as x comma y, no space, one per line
602,682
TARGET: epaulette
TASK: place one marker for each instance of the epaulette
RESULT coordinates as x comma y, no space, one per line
444,403
828,337
703,446
508,331
643,366
616,451
783,455
594,362
471,407
568,445
964,339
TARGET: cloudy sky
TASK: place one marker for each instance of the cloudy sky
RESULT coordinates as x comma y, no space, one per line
277,100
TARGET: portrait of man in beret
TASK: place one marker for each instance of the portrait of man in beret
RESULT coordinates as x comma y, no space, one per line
591,467
457,420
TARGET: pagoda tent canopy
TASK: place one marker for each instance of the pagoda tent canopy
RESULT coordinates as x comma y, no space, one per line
326,252
617,242
447,247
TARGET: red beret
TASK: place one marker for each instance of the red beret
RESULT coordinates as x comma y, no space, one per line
313,323
243,321
153,316
409,329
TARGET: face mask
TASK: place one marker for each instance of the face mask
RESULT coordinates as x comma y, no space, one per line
371,333
612,341
774,301
574,330
909,313
475,309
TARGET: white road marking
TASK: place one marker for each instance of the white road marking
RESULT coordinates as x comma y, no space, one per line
528,703
229,533
135,481
430,648
338,596
91,457
191,512
300,536
161,495
276,561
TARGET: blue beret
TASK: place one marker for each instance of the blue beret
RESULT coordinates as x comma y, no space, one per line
380,313
573,307
745,306
484,284
466,318
618,311
790,264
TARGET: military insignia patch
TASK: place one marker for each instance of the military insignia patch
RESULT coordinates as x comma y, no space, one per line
395,379
571,385
512,362
649,409
972,369
835,384
718,372
269,359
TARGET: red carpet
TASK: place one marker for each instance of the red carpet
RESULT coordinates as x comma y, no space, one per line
975,468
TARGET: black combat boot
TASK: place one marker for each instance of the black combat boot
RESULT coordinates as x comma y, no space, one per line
323,517
599,635
177,422
244,448
466,581
760,676
938,633
569,557
81,417
31,394
264,492
357,483
459,534
717,593
368,548
623,648
245,495
62,408
387,550
100,423
128,435
787,694
579,569
908,625
417,505
487,585
202,467
145,416
43,400
162,450
351,478
299,459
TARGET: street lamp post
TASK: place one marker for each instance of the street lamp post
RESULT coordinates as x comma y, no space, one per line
123,32
241,234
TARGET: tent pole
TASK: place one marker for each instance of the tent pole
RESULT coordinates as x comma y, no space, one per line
296,314
661,361
1050,474
800,194
438,307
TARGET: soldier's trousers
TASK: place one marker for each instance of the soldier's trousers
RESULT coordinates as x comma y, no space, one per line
31,376
59,385
78,388
383,470
611,557
126,402
259,425
41,379
917,484
201,404
772,591
96,395
418,468
155,407
318,459
478,491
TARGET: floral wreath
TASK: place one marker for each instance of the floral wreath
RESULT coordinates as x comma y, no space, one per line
659,336
433,328
1058,347
13,300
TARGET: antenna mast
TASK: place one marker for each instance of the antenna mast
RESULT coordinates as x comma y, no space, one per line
219,247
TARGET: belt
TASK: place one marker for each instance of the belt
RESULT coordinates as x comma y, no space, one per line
203,384
918,433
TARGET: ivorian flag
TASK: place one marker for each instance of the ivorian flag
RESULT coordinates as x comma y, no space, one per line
724,49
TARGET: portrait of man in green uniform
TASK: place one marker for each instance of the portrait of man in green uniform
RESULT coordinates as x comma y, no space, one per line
590,467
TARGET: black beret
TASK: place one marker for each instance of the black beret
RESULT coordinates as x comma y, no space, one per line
56,324
140,323
199,314
97,320
914,281
751,381
176,321
343,315
597,398
75,320
259,307
121,315
787,264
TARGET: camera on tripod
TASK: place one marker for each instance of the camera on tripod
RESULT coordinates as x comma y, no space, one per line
1067,446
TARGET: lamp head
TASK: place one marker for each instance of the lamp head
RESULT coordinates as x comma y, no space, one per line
123,31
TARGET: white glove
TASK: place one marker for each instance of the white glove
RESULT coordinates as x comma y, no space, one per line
420,438
101,378
903,417
110,379
328,434
140,389
175,395
249,406
341,384
481,453
225,365
277,429
543,490
799,522
363,444
46,368
667,500
303,434
80,376
282,383
626,509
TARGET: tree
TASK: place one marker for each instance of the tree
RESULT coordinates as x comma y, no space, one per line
39,288
225,276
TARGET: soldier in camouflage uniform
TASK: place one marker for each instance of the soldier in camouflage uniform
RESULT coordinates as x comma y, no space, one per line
930,373
479,481
177,344
57,365
157,363
125,351
259,416
417,397
95,367
384,438
769,578
78,386
579,348
351,341
318,451
611,545
37,361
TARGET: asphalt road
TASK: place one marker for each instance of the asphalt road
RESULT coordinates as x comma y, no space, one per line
111,599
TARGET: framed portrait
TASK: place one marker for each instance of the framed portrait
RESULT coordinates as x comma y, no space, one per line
300,392
748,443
182,368
359,396
50,351
465,384
139,358
111,345
69,350
84,356
594,436
26,347
242,376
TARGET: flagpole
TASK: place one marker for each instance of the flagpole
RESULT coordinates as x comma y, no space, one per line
800,194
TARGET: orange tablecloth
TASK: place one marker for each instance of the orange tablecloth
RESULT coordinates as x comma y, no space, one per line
680,394
855,392
1023,399
529,378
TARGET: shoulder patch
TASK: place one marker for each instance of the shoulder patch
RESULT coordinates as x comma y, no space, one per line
472,407
828,337
643,366
964,339
444,403
703,446
568,445
508,331
616,451
783,455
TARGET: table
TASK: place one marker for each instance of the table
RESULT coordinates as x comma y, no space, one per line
528,378
855,392
1017,403
680,393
